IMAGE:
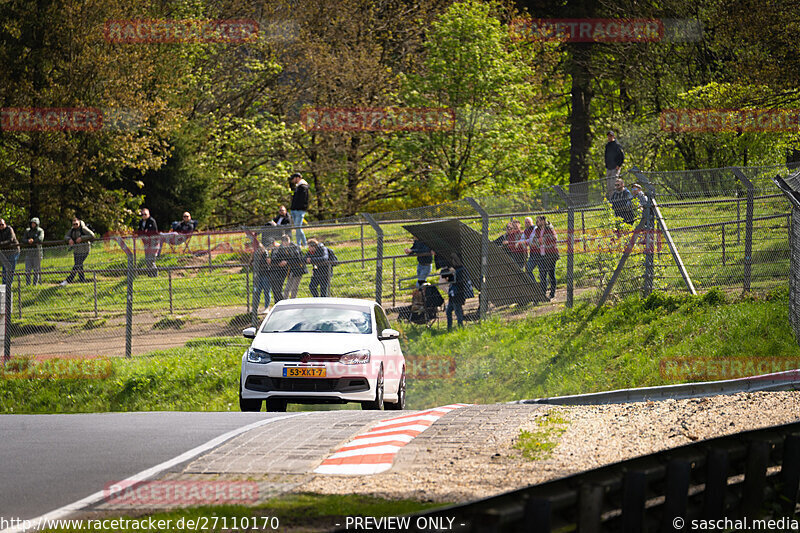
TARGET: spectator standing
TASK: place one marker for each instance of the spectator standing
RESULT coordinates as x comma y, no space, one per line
424,260
321,277
275,273
614,157
299,205
621,202
547,247
459,291
9,247
514,243
33,239
261,273
79,238
148,230
290,257
527,236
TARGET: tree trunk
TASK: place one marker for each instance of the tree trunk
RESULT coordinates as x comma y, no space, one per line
580,134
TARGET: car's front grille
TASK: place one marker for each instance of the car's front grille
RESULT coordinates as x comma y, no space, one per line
267,384
297,357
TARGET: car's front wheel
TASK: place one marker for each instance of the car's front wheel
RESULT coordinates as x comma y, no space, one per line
377,403
401,395
246,404
276,405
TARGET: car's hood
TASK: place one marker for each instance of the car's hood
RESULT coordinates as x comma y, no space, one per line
313,343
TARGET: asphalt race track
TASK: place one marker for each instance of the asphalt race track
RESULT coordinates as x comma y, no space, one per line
48,461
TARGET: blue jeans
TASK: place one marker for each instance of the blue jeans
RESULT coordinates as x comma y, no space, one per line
297,220
547,269
423,271
260,284
531,264
8,276
457,307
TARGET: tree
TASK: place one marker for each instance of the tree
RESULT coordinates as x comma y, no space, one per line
473,68
54,56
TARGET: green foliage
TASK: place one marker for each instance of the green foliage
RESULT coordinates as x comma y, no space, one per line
472,68
539,443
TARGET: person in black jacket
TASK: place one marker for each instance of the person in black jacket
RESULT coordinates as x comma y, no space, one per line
424,260
321,277
10,249
290,258
299,205
459,291
614,157
151,241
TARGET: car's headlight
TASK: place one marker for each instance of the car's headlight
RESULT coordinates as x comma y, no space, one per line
257,356
355,358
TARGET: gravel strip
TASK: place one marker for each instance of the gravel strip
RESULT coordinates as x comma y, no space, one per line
469,453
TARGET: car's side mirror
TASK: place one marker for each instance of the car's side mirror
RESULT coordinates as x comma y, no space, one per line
249,333
388,334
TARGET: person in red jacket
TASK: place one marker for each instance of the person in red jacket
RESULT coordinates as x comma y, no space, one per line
514,243
545,244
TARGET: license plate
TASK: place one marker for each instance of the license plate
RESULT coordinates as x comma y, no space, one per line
296,372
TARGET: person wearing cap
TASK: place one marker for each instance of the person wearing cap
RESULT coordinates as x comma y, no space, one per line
9,247
614,157
33,239
79,237
299,205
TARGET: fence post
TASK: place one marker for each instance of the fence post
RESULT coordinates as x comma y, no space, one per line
19,295
7,310
748,235
570,243
246,286
658,218
169,279
649,247
94,283
748,229
378,256
483,297
208,246
362,244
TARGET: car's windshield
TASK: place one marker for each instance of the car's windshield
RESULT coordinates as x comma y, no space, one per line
338,319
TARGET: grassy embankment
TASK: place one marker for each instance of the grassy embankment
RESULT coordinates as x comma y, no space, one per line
631,344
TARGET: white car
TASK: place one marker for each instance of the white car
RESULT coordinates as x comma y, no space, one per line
323,350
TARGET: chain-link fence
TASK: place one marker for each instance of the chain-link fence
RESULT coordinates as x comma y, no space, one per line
722,228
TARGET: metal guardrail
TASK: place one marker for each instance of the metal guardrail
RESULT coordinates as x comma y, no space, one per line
787,380
747,476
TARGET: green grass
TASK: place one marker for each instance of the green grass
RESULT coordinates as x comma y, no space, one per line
631,344
290,513
539,443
